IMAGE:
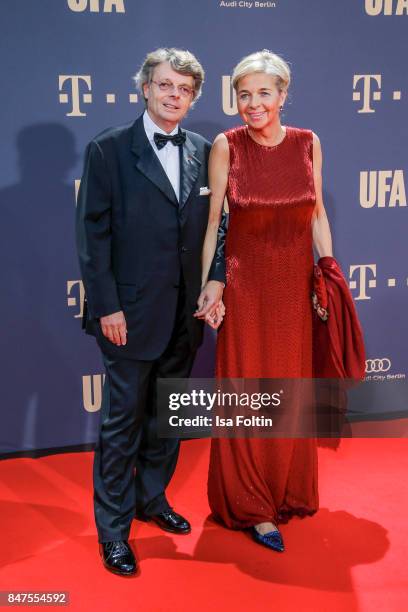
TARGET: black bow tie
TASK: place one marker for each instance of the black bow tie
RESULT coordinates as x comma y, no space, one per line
162,139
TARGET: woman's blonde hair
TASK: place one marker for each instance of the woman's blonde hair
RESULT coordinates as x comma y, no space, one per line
263,61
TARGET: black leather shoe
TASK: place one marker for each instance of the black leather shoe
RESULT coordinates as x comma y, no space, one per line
118,557
273,539
171,521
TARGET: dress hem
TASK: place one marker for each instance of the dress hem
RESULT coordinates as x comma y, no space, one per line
284,515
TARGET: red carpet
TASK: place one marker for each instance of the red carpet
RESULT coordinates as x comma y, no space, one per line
352,555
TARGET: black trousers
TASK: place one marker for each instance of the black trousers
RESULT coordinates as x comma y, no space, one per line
132,466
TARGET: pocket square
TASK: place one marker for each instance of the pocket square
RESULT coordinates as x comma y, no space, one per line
204,191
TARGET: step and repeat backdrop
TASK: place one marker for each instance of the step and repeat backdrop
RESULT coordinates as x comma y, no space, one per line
67,68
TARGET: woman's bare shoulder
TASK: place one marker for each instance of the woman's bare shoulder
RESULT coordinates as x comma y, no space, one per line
221,141
220,147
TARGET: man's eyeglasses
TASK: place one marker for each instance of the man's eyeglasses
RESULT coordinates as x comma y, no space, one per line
168,87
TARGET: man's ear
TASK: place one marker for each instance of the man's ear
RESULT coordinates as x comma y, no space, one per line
146,90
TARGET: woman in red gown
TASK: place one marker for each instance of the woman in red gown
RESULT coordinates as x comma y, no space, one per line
271,176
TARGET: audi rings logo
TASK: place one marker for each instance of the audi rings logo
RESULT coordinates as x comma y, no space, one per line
377,365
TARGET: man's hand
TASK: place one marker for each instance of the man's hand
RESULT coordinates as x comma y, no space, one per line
210,297
114,328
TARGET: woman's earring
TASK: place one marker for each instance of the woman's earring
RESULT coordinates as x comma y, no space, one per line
281,108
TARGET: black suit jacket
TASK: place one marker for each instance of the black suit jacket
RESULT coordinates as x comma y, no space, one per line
136,241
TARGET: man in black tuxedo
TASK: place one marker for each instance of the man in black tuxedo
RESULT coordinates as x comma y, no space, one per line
142,214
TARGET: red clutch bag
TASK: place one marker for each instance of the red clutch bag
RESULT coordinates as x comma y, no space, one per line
319,294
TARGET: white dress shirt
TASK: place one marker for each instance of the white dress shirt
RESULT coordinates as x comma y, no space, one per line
168,155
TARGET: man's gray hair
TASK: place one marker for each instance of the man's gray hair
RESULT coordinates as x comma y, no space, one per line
181,61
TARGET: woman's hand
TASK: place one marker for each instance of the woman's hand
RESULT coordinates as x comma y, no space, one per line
210,297
216,316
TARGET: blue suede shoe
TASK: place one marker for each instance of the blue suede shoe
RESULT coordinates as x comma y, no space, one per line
273,539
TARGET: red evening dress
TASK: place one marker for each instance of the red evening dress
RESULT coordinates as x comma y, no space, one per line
267,329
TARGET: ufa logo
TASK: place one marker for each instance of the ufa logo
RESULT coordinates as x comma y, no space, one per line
229,98
92,392
386,7
382,188
96,6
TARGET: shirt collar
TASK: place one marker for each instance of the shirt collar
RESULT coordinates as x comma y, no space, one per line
150,127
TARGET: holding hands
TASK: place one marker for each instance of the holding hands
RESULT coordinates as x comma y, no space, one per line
210,305
210,308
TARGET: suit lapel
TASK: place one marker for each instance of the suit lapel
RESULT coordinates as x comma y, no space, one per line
147,162
189,169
